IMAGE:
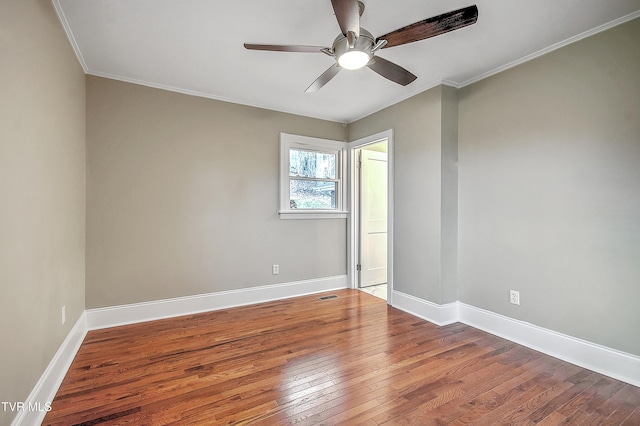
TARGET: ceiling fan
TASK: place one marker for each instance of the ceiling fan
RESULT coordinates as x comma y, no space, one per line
356,47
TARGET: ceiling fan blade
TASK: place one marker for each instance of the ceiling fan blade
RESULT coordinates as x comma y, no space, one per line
324,78
391,71
284,48
432,27
348,16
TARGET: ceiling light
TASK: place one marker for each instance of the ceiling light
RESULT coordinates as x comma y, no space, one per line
354,59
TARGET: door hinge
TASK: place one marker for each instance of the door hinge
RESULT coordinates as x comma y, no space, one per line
358,267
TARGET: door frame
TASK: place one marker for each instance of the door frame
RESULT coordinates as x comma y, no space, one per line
353,218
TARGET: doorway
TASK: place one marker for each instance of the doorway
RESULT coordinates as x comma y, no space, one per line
371,201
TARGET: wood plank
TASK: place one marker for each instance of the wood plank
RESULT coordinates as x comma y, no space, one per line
349,360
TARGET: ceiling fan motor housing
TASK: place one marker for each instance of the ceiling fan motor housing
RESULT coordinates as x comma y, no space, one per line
364,43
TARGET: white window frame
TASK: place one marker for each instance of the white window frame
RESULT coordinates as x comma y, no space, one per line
306,143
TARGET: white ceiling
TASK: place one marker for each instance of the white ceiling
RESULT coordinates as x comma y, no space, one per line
196,46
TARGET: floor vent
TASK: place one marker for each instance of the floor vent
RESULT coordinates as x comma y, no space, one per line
333,296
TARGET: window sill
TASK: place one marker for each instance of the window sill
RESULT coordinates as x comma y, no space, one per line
313,214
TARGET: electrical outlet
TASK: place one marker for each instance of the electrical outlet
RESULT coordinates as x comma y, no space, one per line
514,297
275,269
64,314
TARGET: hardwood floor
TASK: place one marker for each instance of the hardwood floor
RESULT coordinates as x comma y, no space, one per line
347,360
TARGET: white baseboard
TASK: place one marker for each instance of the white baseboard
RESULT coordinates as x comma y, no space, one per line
432,312
598,358
45,390
159,309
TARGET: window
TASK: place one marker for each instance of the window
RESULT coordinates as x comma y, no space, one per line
312,184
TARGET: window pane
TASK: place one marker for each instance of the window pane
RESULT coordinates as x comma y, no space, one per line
320,165
308,194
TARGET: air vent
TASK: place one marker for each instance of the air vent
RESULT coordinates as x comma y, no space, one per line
333,296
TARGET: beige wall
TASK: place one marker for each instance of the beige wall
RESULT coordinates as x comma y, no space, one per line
182,197
449,196
42,193
550,190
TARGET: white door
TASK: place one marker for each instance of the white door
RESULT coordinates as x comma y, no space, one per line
373,218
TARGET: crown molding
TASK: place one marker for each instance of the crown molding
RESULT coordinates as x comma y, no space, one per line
551,48
70,36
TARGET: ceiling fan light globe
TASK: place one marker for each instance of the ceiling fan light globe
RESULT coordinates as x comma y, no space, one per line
354,59
356,56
